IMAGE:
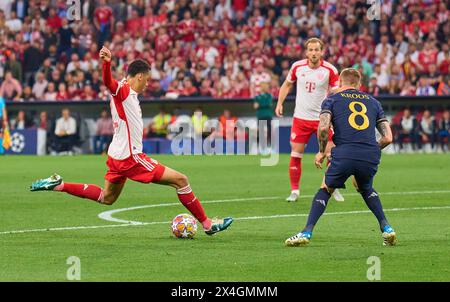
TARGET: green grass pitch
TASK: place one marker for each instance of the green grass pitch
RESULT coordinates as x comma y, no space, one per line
414,190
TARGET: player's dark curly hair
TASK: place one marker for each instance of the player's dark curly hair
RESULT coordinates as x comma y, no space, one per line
138,66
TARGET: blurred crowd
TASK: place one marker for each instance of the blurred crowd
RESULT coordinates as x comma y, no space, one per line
218,48
421,130
415,130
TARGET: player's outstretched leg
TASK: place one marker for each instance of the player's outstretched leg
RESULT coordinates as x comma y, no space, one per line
46,184
374,204
181,183
56,183
319,203
88,191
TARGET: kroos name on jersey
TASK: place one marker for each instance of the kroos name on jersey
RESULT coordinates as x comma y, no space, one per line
355,95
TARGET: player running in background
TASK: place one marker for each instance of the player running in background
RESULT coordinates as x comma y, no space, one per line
125,157
315,79
354,116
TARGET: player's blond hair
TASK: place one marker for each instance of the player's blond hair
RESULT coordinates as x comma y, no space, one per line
265,85
350,76
314,40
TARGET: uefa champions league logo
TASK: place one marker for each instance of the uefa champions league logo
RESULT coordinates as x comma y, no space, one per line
17,142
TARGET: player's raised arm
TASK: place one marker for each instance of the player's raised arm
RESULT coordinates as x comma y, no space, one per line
284,91
108,80
386,133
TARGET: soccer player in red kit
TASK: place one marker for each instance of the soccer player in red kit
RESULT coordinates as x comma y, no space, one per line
315,78
125,156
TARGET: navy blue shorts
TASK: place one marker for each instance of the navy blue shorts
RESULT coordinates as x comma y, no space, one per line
341,169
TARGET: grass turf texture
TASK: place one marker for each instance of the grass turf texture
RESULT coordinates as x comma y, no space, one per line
251,250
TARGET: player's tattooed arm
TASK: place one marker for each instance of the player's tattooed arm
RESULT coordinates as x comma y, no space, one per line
324,127
386,133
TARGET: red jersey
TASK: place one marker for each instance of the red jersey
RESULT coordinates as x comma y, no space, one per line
134,25
126,115
313,86
147,22
54,22
161,43
188,91
103,14
187,29
239,5
427,57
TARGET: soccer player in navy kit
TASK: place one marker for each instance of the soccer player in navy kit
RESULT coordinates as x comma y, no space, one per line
354,116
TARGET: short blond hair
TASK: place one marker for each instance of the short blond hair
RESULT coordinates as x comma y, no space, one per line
314,40
265,85
350,76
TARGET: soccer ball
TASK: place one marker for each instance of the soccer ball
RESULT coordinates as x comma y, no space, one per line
184,226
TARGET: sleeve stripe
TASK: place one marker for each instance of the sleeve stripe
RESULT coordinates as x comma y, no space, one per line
118,88
382,120
293,70
330,66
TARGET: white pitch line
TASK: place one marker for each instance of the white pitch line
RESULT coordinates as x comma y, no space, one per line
107,215
343,213
239,218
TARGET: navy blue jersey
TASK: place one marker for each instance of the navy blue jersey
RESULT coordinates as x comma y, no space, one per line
354,116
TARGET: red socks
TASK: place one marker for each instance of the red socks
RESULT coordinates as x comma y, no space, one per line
295,170
188,199
91,192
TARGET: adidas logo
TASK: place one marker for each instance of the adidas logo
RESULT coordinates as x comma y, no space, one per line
322,202
374,194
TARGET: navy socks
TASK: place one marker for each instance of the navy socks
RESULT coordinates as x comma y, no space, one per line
318,206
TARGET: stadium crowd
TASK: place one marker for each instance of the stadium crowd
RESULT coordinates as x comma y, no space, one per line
223,49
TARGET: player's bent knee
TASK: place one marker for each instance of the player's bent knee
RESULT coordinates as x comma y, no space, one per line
366,192
297,148
109,200
325,187
181,180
